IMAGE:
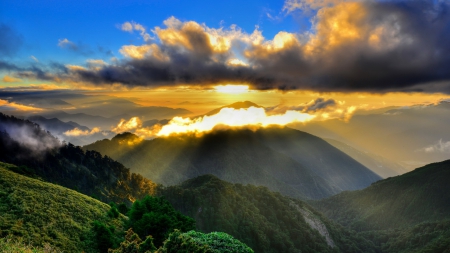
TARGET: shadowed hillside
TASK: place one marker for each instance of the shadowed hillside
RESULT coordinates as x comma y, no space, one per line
285,160
407,213
264,220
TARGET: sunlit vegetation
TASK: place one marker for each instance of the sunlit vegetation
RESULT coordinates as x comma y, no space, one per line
47,215
11,245
197,242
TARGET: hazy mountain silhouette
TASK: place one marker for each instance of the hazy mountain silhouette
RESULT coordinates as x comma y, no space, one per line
286,160
401,135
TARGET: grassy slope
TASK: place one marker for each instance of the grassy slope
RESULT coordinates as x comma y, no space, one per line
43,213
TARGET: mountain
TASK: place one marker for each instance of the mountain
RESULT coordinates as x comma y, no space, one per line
419,196
43,213
38,154
55,125
289,161
82,118
376,163
407,213
119,108
264,220
59,128
410,136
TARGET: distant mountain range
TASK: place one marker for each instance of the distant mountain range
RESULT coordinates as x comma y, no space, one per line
285,160
60,129
409,136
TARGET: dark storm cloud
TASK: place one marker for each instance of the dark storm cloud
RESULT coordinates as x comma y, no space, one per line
358,46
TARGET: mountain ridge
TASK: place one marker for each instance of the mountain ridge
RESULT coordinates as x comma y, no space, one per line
243,156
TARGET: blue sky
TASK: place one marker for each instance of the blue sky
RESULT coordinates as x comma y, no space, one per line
93,25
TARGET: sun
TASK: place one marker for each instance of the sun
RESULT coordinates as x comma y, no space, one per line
231,89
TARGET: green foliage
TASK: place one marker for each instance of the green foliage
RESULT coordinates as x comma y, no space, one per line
156,217
407,213
103,236
423,238
263,220
123,209
134,244
46,214
422,195
113,211
87,172
197,242
9,245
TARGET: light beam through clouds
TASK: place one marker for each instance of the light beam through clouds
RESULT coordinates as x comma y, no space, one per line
252,117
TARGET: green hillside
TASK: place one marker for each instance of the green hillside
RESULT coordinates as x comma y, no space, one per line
422,195
44,214
264,220
407,213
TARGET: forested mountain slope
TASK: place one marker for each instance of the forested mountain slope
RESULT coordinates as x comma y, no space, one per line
285,160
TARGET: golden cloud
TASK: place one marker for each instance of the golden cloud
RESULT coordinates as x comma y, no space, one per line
9,79
78,132
125,126
19,107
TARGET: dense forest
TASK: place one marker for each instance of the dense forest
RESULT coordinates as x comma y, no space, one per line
38,154
264,220
406,213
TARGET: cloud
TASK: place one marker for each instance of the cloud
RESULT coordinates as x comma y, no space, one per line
9,79
439,147
10,41
353,46
323,109
133,26
6,105
78,132
72,46
34,58
306,5
125,126
65,43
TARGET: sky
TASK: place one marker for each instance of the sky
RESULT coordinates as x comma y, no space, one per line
203,54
